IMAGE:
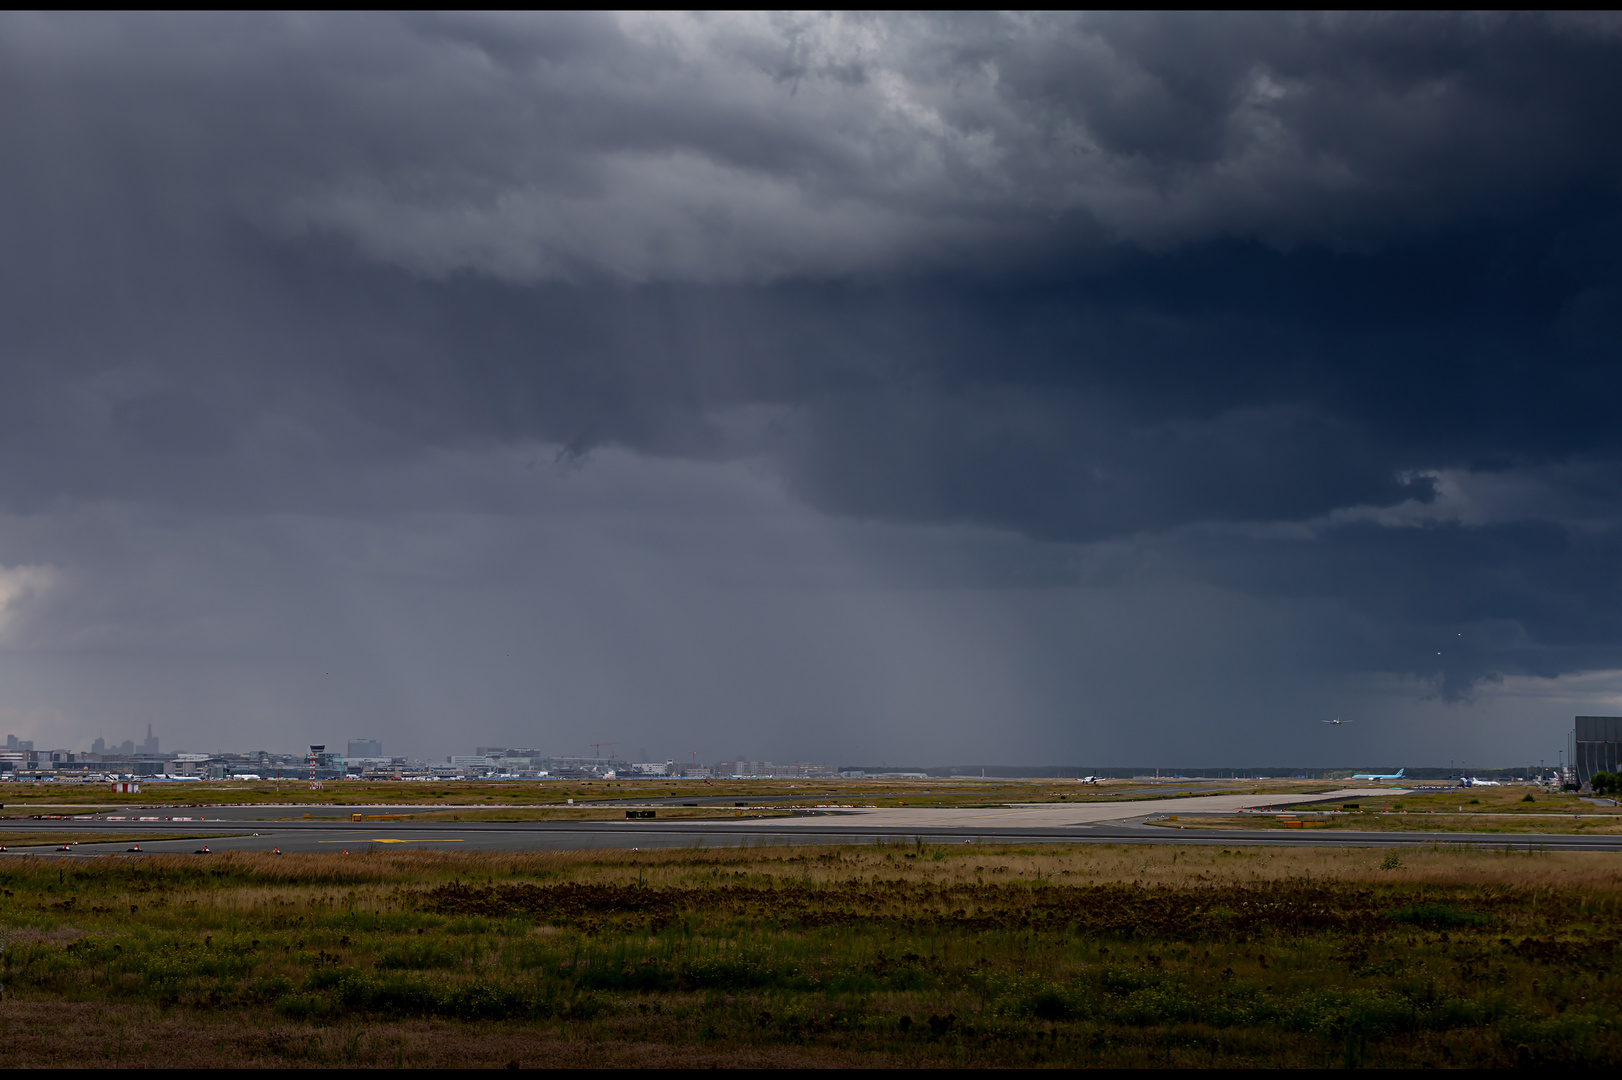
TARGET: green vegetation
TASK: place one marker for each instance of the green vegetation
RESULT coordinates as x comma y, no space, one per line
1509,810
586,812
19,839
1500,800
1438,916
916,955
1410,822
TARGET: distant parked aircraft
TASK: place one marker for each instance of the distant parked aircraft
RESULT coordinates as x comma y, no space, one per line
1380,776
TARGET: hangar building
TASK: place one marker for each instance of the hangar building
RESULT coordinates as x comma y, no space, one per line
1594,745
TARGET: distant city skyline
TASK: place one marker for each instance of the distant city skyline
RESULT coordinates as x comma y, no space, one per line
367,753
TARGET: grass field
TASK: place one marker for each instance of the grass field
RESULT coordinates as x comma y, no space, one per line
1447,821
591,813
1474,810
878,955
1586,825
20,839
1505,800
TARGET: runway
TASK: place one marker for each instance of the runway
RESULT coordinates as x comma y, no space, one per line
342,837
275,828
1058,815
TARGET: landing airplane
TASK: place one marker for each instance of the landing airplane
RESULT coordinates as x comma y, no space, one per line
1380,776
1338,720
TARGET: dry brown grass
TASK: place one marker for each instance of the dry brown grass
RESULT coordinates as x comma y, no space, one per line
80,1035
1434,822
85,1035
294,876
592,813
34,839
1498,800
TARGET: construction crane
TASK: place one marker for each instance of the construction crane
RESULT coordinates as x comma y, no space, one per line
597,748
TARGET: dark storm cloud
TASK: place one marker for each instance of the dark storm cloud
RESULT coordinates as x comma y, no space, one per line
1447,602
729,149
1168,282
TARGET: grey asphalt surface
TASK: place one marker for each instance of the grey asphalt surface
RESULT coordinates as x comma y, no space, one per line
315,835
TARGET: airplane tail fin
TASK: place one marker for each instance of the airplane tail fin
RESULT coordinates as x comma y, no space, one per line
1401,771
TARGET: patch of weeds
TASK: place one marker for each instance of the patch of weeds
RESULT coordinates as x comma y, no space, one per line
422,955
1437,916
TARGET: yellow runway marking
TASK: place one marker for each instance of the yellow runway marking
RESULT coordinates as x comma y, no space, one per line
394,840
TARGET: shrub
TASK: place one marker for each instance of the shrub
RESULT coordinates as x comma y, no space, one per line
1437,916
1052,1004
270,988
352,991
419,956
301,1006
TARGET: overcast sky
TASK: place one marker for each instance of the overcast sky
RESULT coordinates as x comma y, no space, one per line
1096,390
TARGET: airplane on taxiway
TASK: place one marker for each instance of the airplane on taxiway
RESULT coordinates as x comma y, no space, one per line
1380,776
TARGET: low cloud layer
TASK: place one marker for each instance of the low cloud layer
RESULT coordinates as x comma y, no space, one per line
1020,334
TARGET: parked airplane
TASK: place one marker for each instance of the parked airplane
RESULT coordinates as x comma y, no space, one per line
1380,776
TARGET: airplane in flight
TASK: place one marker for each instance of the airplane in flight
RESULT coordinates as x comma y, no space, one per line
1338,720
1380,776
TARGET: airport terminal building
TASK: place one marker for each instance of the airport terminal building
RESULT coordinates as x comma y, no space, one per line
1594,746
